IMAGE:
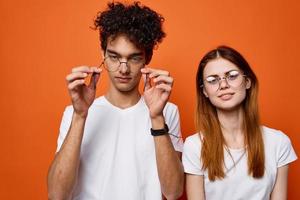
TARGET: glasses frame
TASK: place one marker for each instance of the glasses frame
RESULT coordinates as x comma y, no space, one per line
120,62
223,78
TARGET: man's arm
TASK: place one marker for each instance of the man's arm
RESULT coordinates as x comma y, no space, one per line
63,170
170,169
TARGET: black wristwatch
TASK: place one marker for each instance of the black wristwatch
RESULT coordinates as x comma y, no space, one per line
158,132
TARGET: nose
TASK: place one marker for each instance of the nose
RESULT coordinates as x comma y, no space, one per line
124,69
223,83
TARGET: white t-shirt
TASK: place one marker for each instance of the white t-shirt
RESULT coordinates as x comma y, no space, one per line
117,158
237,184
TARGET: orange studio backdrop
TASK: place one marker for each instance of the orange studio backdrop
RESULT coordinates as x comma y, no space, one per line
40,41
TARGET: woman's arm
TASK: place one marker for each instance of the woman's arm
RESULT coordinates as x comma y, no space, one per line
195,187
280,189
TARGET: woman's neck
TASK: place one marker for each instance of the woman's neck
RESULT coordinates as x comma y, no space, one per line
232,127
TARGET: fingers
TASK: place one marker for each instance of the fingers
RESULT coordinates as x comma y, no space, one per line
78,75
164,87
75,76
94,79
163,79
159,77
147,83
154,72
75,84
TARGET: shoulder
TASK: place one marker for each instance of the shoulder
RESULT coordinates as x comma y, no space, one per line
68,111
278,145
171,111
170,107
193,141
99,101
274,136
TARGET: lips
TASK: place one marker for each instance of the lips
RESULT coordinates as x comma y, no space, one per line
226,96
123,79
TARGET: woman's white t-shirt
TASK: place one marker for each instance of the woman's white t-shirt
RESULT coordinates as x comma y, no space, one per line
238,185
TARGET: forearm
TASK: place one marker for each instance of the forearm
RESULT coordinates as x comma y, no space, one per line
170,170
280,188
63,170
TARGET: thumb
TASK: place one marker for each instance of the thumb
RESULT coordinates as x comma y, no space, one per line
147,84
94,80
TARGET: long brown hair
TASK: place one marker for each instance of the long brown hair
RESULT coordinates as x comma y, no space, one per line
207,122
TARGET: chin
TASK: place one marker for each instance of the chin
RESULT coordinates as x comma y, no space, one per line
228,106
125,88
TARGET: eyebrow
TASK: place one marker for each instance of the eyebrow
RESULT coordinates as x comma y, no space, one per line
215,75
131,55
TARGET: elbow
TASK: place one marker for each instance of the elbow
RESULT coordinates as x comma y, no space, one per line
174,195
57,196
56,192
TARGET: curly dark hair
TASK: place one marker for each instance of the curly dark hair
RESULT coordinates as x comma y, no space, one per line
139,23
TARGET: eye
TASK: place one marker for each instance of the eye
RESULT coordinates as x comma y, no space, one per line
232,75
212,80
113,58
135,59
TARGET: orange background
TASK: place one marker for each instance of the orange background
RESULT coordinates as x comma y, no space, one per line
42,40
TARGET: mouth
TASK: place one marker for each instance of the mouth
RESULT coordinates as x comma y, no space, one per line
123,79
226,96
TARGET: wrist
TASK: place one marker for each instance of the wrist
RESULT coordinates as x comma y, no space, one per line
158,122
160,132
80,116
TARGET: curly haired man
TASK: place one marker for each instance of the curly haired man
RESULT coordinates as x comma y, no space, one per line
124,144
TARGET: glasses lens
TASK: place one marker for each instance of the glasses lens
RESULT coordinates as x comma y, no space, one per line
135,62
212,83
111,63
234,78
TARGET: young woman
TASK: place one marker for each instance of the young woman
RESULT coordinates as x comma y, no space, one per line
233,157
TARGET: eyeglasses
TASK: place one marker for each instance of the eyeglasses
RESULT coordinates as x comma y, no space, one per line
233,78
112,62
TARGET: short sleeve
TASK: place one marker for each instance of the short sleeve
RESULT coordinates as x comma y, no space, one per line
191,155
64,126
286,153
173,121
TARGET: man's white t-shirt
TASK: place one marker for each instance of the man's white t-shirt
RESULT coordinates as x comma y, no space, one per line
117,158
237,184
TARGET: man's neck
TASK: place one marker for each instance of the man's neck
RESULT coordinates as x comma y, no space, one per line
122,99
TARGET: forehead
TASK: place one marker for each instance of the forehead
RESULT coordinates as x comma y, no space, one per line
122,45
219,67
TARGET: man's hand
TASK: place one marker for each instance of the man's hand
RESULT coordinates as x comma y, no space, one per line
156,95
82,95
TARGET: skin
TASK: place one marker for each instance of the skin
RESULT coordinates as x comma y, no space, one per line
227,101
123,92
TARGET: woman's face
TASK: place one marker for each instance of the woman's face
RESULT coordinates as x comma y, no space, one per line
224,84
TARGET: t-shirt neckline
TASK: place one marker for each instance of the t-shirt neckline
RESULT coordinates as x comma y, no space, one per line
133,107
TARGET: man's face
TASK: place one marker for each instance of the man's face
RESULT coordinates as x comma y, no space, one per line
124,60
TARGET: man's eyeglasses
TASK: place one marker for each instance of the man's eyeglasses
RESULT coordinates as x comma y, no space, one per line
112,62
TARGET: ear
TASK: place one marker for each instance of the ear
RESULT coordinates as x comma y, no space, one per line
204,92
248,83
